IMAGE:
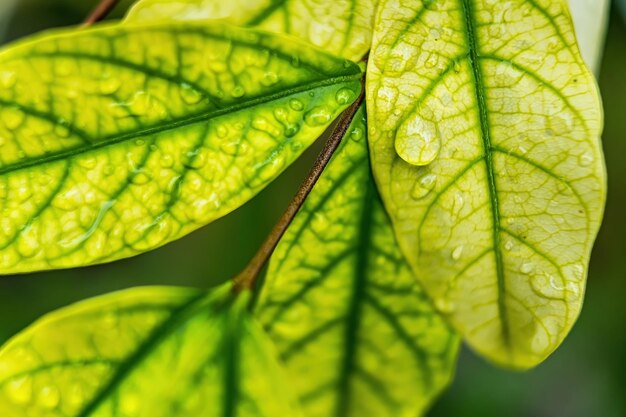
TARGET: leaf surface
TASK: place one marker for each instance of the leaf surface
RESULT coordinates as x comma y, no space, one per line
147,352
117,140
485,128
343,28
353,327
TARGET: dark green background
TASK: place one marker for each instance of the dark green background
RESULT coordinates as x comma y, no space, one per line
586,377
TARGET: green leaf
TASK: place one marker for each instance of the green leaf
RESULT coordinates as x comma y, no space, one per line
342,28
496,185
118,140
356,332
157,352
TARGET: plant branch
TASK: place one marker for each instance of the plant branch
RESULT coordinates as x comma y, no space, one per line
247,278
100,12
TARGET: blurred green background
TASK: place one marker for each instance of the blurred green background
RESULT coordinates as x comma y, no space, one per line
586,377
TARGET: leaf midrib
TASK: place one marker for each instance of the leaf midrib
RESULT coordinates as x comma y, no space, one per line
180,123
481,102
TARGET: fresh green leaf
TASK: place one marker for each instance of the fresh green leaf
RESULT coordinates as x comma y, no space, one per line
356,332
148,352
117,140
484,134
342,28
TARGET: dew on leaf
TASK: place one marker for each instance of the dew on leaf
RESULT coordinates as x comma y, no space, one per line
317,116
457,253
296,104
238,92
424,186
20,390
344,96
417,141
110,85
12,117
585,159
49,397
189,94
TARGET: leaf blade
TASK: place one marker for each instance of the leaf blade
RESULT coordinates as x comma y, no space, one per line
140,147
509,209
355,331
149,351
342,29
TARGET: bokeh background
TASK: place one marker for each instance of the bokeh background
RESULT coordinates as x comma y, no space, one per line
586,377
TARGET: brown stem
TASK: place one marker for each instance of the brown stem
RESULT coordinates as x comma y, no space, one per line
101,11
247,278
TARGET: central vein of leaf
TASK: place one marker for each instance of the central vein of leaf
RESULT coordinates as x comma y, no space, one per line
481,102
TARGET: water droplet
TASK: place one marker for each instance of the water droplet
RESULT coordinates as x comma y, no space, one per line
424,186
554,284
296,104
110,85
7,79
356,134
189,94
318,116
12,117
222,131
20,390
238,91
457,67
417,141
508,245
457,252
141,104
444,305
585,159
167,161
88,162
140,177
49,397
28,245
527,268
196,159
62,129
269,78
76,395
344,96
291,131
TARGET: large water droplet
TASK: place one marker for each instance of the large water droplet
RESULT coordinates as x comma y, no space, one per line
424,186
417,141
317,116
296,104
344,96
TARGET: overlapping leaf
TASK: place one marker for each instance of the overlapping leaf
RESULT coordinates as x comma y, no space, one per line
339,27
356,332
157,352
118,140
485,146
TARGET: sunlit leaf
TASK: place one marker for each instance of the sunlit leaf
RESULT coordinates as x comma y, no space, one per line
148,352
118,140
356,332
340,27
485,129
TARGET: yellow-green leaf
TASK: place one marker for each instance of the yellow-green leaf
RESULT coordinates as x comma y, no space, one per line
354,329
342,28
485,145
117,140
147,352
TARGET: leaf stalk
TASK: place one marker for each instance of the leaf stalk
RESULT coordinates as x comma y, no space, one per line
100,12
247,278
